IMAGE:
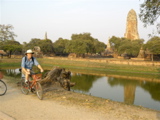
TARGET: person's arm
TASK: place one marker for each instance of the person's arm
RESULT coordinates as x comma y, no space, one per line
38,65
41,69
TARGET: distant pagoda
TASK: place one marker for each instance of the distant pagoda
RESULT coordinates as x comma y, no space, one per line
131,26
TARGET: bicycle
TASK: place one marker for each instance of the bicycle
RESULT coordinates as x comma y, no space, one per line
33,85
3,86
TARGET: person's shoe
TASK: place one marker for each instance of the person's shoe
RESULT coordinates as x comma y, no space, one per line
26,82
33,90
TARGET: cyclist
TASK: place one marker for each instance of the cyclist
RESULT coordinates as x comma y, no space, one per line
27,63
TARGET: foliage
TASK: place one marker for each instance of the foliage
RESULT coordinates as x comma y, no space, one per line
115,42
78,47
60,45
150,12
153,45
99,46
84,43
11,46
6,33
126,46
31,44
45,45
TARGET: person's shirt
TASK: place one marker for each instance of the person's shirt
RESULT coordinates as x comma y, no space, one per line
28,64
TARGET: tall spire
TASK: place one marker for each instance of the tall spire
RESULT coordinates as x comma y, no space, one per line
131,26
45,37
108,44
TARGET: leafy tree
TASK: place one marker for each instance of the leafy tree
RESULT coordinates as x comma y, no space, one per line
99,47
84,43
46,46
6,33
131,48
115,44
31,44
126,46
150,12
78,47
153,45
11,46
60,45
84,36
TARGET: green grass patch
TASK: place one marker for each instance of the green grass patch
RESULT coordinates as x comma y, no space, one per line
89,67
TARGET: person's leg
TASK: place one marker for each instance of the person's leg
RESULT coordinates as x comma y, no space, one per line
26,75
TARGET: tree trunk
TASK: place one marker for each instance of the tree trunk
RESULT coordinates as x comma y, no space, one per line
152,57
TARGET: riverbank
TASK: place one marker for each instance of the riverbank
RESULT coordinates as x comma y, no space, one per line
150,73
65,105
90,64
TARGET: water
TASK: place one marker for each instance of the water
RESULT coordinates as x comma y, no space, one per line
135,92
130,91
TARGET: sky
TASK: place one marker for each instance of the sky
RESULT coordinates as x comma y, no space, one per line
62,18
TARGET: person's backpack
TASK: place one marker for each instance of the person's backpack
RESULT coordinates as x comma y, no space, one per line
31,58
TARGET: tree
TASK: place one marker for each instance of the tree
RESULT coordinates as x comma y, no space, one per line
126,46
46,46
60,46
78,47
11,46
6,32
131,48
84,43
115,43
150,12
99,47
153,45
31,44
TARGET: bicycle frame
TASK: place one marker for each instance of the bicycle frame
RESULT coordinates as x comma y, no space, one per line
35,77
1,75
33,86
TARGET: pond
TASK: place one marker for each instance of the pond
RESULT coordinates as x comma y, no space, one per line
129,91
141,93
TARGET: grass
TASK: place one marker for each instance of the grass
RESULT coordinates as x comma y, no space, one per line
89,67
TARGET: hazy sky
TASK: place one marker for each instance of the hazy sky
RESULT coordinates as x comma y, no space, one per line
62,18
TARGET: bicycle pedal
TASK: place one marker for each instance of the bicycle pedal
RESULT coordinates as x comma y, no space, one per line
32,90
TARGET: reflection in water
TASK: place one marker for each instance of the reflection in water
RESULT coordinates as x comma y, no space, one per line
12,72
153,89
129,88
129,93
83,82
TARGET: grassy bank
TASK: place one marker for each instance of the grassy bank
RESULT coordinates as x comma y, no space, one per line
89,67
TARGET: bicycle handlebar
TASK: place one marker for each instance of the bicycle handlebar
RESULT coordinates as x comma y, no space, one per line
35,73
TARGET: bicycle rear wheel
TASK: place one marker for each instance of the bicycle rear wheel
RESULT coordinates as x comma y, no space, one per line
24,87
3,88
39,91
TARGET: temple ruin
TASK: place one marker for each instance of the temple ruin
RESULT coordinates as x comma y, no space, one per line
131,26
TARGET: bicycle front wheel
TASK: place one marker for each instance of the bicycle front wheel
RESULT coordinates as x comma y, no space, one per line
39,91
3,88
24,88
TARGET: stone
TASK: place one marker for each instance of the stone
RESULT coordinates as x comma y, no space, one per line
37,52
141,53
131,26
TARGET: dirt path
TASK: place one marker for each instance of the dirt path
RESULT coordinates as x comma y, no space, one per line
68,106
